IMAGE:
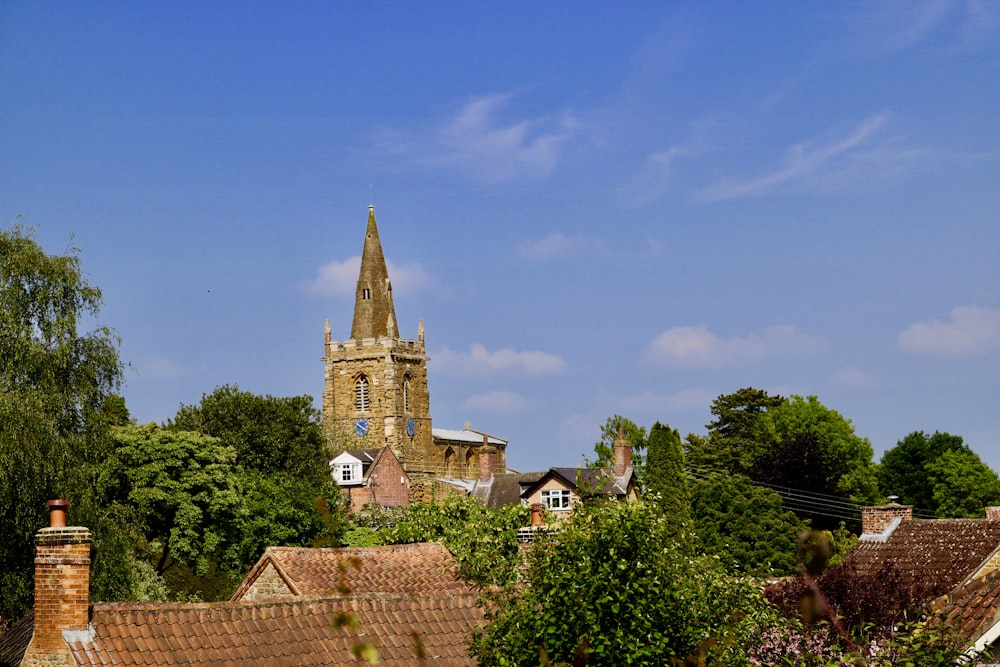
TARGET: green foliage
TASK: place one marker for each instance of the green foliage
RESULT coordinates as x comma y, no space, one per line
612,585
183,488
605,448
963,485
54,380
666,481
268,434
733,442
483,540
938,474
744,525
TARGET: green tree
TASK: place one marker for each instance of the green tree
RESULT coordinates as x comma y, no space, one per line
268,433
733,443
54,379
963,485
605,447
612,589
903,470
183,486
744,525
666,481
816,443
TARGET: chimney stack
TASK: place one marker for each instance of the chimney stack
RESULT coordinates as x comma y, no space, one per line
62,587
623,454
487,460
875,520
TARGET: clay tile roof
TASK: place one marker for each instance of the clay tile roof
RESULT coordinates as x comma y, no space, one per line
973,608
939,553
402,569
299,631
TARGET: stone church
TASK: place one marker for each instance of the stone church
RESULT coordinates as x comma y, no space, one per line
376,392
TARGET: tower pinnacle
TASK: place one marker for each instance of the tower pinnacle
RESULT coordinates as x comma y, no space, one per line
373,307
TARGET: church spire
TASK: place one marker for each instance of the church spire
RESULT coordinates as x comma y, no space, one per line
373,308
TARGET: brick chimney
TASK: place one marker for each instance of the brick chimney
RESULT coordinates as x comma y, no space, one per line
487,460
62,587
875,520
623,454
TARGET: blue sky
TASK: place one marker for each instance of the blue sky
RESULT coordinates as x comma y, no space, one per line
595,207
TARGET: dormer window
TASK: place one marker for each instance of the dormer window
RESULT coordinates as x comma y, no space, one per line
556,499
362,397
347,470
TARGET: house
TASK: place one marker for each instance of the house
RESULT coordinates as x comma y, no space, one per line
401,569
406,622
371,476
955,563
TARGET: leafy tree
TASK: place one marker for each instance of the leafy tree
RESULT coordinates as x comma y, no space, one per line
54,379
733,443
666,481
611,588
267,433
744,525
903,470
605,448
483,540
812,447
963,485
183,488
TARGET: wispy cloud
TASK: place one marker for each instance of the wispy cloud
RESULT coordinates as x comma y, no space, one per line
697,347
503,402
863,158
695,398
558,244
477,142
893,26
653,178
969,330
340,278
480,361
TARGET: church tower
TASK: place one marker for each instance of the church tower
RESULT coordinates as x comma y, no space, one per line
376,382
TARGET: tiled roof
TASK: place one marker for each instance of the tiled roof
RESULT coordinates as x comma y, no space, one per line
297,631
932,552
404,569
973,608
15,640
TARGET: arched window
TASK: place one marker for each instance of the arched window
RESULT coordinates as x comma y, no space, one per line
406,394
449,460
362,398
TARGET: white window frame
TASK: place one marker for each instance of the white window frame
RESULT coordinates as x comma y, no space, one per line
557,499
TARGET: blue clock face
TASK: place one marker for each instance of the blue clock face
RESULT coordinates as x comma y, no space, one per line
410,427
360,427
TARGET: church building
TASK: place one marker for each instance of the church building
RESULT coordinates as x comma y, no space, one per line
376,392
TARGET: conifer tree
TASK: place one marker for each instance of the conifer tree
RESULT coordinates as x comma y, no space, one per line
666,481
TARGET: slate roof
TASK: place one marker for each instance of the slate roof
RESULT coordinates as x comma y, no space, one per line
402,569
466,435
940,553
505,488
597,480
297,631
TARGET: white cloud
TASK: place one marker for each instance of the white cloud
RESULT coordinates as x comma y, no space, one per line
480,361
558,244
969,330
478,143
340,278
505,402
697,347
853,378
828,164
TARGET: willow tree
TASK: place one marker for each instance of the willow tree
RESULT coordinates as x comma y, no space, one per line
56,380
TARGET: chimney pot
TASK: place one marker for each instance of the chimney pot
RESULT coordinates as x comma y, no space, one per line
57,513
537,514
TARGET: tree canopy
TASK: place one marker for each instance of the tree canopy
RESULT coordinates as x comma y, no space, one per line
605,447
55,376
666,480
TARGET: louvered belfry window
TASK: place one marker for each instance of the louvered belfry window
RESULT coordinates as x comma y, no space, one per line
362,398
